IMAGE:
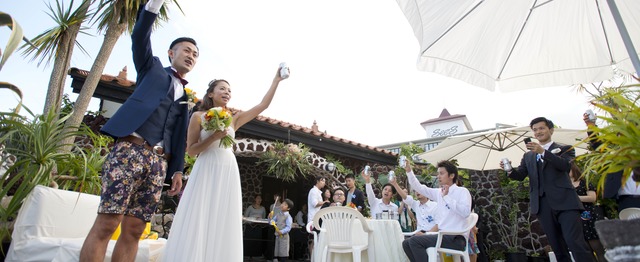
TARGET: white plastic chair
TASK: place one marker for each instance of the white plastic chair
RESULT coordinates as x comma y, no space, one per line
309,228
630,213
336,229
433,251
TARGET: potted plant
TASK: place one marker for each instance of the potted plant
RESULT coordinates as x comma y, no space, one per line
506,209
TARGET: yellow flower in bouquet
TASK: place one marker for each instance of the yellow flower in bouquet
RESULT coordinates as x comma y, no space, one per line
352,205
219,119
191,95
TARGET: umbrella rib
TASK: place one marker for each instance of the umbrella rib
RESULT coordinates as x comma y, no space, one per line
504,65
452,26
604,31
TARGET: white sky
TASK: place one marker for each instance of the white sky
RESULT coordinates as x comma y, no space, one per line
352,67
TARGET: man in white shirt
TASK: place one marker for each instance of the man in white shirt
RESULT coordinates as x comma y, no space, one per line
314,199
424,208
453,208
378,205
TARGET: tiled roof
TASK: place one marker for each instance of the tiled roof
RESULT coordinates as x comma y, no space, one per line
444,115
124,83
310,131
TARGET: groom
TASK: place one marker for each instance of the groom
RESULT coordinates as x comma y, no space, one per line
552,196
150,128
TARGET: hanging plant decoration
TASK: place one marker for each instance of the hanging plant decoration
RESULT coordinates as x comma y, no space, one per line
285,161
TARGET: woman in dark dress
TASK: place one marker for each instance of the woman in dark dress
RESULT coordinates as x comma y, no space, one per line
587,195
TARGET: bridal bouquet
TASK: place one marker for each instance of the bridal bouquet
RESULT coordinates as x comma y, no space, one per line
218,119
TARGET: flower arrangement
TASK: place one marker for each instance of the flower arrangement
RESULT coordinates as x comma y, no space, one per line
191,98
352,205
284,161
218,119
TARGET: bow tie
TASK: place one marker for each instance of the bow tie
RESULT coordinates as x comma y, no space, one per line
182,80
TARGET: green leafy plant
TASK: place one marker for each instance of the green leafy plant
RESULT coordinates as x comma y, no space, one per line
35,144
620,136
286,160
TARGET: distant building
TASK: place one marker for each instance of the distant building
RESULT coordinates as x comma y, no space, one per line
438,129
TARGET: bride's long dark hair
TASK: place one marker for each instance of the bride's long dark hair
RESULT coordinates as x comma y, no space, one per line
207,102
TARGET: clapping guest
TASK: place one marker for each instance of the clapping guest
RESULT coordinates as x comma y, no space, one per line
378,205
588,197
256,210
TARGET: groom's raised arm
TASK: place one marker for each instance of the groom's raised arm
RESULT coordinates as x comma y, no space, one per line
141,35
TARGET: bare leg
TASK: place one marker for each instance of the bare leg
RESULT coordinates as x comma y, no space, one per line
598,248
95,245
127,246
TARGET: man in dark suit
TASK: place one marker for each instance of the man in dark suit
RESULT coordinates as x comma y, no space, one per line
552,196
150,131
354,195
625,190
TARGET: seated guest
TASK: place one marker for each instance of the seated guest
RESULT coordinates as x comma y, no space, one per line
453,208
256,210
355,197
425,210
326,197
301,216
378,205
338,197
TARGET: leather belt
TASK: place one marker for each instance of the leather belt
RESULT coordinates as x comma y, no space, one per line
158,150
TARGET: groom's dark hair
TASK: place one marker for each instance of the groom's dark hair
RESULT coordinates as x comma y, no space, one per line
546,121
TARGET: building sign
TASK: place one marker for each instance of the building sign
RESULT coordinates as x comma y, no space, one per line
445,132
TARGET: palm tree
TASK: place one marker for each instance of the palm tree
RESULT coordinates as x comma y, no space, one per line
57,44
116,17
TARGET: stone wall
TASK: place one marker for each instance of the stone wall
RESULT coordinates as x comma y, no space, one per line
484,186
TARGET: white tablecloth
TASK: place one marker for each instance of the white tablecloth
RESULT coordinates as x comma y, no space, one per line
387,242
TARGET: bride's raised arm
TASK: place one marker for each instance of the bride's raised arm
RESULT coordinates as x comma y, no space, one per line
244,117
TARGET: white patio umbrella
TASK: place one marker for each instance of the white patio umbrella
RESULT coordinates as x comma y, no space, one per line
483,151
525,43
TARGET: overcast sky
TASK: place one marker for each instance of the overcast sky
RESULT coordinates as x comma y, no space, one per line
352,67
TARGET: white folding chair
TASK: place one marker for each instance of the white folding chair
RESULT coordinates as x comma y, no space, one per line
336,229
309,228
433,251
630,213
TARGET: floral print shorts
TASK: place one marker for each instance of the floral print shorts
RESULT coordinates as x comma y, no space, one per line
132,181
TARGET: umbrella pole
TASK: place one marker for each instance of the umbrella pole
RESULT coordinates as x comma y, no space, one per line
633,55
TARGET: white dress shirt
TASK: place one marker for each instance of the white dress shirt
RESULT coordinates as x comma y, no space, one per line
452,209
376,205
630,187
314,197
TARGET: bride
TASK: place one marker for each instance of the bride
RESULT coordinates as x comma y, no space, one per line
208,222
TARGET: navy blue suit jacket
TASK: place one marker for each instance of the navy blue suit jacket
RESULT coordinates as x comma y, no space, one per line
152,85
556,183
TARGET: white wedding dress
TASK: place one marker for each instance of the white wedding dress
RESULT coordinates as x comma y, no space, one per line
208,222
